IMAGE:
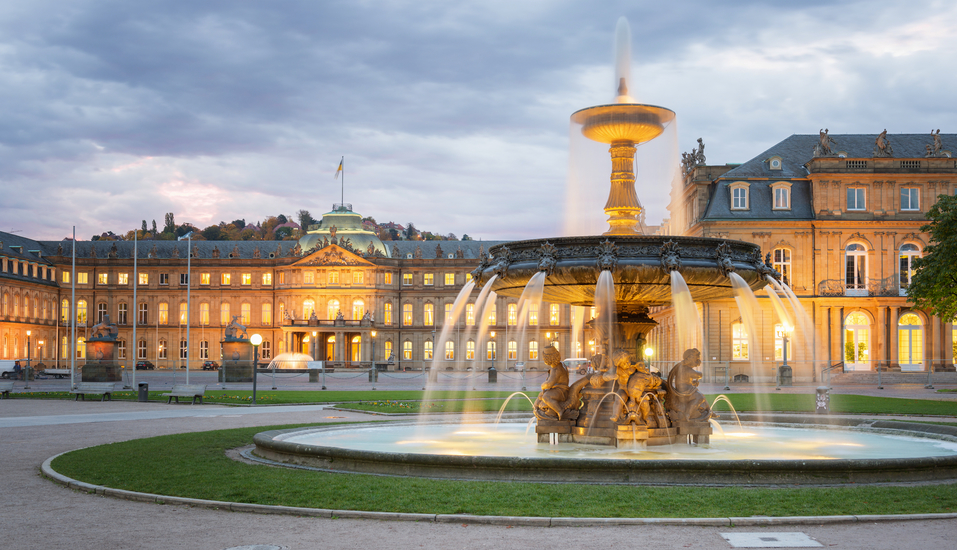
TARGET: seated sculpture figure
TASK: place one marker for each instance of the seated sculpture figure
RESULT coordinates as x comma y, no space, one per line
104,330
643,390
684,402
553,400
234,328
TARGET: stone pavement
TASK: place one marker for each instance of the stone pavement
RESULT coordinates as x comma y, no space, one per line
37,513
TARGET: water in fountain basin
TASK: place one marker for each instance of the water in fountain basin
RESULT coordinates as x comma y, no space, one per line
686,314
290,360
724,398
747,306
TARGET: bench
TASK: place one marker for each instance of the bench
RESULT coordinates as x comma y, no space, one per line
103,389
5,388
186,390
58,373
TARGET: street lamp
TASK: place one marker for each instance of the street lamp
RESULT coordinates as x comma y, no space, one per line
374,374
648,353
255,340
784,371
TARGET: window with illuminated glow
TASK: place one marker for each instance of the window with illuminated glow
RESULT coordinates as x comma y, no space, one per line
470,315
387,278
267,278
407,350
406,279
204,314
225,279
332,309
407,315
163,313
533,351
224,317
427,350
246,314
308,307
246,279
428,315
512,350
512,314
448,313
309,278
779,343
102,278
182,313
204,278
80,312
428,279
387,313
449,350
490,351
267,314
739,342
358,309
470,350
449,279
357,277
123,278
533,315
492,314
554,315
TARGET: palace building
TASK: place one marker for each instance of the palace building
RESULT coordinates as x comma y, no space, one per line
839,215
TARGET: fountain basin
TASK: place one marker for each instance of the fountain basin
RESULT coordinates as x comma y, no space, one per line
909,453
623,122
640,266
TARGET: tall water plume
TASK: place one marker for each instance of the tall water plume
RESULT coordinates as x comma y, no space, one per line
687,323
623,83
747,306
578,323
800,315
531,297
779,309
605,313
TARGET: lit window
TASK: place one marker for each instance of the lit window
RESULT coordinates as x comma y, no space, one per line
80,312
407,350
512,314
246,313
407,315
123,278
533,315
309,307
162,349
358,309
910,198
308,277
406,279
491,314
855,273
224,318
388,350
907,255
470,314
267,278
247,279
204,278
163,313
357,277
282,281
490,351
387,313
332,309
182,313
554,311
428,279
739,342
429,314
533,351
449,279
81,348
64,309
102,278
267,314
204,314
333,277
427,350
470,350
449,350
82,278
448,313
65,276
781,261
779,343
388,278
512,350
855,198
225,279
910,337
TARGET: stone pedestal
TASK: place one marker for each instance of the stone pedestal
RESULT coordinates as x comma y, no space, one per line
785,376
237,361
699,432
100,364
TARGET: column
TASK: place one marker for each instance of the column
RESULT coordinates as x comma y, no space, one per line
880,355
948,340
836,332
895,353
932,351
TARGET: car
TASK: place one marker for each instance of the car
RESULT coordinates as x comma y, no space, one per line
210,365
145,365
583,366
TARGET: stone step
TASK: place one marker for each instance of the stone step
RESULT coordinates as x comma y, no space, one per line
870,378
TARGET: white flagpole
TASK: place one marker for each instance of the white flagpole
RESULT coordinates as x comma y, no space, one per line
136,282
73,316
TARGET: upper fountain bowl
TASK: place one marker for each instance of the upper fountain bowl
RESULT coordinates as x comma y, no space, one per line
641,267
623,122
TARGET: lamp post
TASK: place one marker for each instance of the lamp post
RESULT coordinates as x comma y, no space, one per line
494,357
375,374
255,340
784,371
26,371
649,352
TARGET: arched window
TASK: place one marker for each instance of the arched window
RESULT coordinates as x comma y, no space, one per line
739,342
81,314
407,315
739,195
407,350
358,309
492,314
513,314
470,314
246,314
81,348
855,272
554,315
332,309
533,315
470,350
449,350
533,351
490,351
64,310
779,335
781,261
224,317
387,314
857,341
427,350
183,314
388,350
308,308
6,342
512,350
910,342
907,254
428,312
356,348
6,303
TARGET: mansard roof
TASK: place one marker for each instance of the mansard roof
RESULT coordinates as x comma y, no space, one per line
466,249
171,249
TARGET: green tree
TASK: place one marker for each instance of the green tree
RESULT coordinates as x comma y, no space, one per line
934,284
212,233
144,226
305,219
170,226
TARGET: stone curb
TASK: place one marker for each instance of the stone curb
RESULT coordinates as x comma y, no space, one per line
51,474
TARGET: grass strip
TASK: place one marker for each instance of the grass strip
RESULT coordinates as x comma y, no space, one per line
194,465
840,403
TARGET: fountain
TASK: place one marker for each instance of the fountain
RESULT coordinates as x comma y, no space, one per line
623,409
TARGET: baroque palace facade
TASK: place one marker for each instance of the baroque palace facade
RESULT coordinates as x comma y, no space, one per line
840,216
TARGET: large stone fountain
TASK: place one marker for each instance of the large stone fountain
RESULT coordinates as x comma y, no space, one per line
623,400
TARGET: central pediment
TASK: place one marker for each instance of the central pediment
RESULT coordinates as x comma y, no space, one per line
333,255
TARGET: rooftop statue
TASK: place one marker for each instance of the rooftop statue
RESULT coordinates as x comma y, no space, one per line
882,146
823,147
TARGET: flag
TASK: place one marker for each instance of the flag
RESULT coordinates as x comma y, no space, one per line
339,170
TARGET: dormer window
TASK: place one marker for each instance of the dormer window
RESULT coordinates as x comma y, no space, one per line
782,195
739,195
775,163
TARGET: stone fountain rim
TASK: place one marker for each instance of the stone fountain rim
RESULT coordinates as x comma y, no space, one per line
740,472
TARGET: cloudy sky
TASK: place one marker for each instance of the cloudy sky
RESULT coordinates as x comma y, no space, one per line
451,115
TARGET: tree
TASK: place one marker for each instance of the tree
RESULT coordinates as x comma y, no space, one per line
212,233
282,219
154,227
410,232
934,284
170,226
240,224
465,237
451,237
144,226
305,219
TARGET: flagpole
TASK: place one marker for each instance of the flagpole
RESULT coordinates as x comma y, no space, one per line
135,345
342,196
73,316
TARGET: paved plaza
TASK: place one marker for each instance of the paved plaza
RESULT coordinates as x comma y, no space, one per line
37,513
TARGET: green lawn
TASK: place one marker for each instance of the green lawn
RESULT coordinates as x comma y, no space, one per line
194,465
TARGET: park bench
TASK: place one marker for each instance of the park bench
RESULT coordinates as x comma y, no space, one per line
103,389
57,373
186,390
5,387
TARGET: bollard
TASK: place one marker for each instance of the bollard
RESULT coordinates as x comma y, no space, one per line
823,400
143,392
373,375
314,375
492,375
